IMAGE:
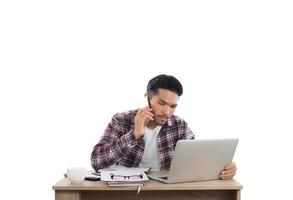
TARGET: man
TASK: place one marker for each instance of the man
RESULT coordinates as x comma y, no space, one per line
147,137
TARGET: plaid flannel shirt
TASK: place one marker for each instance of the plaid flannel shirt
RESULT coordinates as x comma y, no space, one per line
119,146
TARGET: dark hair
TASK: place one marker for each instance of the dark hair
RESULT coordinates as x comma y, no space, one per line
164,81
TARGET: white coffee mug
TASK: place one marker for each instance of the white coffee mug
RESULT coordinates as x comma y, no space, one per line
76,174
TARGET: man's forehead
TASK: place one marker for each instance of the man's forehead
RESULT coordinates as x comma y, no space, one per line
167,96
167,101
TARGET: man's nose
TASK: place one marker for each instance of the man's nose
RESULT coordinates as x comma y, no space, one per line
167,111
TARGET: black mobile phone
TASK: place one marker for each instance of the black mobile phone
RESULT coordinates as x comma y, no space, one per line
91,178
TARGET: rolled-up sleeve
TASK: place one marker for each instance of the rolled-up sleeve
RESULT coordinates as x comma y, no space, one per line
112,146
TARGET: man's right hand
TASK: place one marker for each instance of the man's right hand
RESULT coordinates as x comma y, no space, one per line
142,117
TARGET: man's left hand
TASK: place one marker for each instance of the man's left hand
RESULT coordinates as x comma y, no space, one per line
229,172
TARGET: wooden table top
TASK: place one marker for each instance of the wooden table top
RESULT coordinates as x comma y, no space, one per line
64,184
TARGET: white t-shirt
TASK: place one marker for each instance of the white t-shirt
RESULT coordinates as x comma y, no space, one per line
150,156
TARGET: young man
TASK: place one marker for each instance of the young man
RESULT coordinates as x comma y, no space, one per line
147,137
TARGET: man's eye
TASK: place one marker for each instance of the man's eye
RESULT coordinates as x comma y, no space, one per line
162,103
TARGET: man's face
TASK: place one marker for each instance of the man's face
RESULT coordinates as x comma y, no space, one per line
163,105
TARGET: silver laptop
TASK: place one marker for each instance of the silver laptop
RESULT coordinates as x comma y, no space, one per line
198,160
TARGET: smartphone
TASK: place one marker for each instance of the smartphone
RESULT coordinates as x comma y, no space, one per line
148,102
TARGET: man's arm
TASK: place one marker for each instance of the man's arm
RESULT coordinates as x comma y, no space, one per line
112,146
187,133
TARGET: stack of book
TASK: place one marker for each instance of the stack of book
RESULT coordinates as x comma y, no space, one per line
125,183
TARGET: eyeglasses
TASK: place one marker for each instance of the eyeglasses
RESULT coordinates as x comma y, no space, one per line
126,177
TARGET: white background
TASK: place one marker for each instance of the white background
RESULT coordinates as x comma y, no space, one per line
68,66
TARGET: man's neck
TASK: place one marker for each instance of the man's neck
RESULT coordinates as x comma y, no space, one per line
151,125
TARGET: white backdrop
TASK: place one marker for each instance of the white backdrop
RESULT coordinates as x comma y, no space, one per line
68,66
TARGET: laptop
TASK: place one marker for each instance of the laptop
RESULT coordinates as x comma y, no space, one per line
198,160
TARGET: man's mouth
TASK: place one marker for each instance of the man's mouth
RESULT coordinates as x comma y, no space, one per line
163,118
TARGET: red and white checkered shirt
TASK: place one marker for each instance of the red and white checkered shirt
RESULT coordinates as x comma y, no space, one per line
119,146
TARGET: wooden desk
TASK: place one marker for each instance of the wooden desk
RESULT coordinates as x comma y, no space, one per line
89,190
